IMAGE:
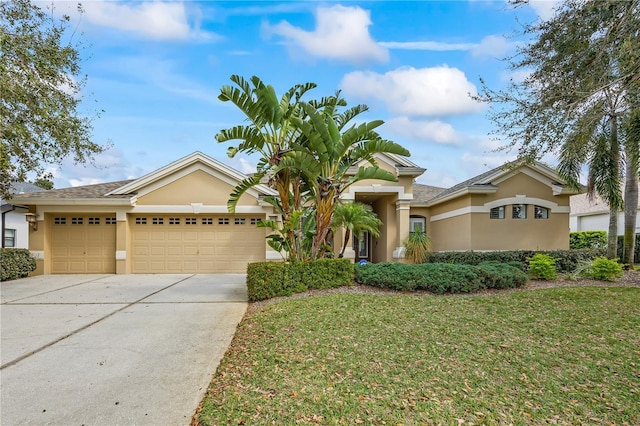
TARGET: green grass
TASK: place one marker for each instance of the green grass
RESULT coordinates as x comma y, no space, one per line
559,356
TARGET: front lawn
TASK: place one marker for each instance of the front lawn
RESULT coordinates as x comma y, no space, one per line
559,356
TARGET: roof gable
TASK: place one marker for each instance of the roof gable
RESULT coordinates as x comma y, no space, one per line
400,164
488,181
183,167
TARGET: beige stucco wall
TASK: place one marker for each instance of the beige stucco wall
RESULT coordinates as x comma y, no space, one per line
196,187
476,231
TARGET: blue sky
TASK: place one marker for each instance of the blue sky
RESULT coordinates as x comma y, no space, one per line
156,69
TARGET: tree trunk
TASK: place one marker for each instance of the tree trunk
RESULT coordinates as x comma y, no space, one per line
347,234
612,236
630,207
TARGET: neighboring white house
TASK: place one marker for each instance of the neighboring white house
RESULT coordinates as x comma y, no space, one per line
15,229
593,215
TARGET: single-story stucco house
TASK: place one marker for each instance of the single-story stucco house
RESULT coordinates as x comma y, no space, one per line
175,219
592,214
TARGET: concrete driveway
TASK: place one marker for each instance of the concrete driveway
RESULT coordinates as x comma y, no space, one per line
113,349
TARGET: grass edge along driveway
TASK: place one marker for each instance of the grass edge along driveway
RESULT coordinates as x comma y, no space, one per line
563,356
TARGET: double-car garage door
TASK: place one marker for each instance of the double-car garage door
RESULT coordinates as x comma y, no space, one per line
196,244
158,244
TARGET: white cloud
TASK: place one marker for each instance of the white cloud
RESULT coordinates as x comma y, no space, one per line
427,45
494,46
341,33
108,166
155,20
429,130
435,178
437,91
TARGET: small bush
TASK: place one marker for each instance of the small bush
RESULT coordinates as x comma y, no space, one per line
15,263
542,267
605,269
439,277
502,275
417,246
274,279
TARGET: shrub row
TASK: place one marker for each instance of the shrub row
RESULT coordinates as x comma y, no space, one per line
566,260
440,277
273,279
15,263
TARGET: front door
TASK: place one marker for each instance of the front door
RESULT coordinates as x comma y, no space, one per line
362,247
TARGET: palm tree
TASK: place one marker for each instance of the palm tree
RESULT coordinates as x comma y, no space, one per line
598,147
328,153
417,246
355,218
269,133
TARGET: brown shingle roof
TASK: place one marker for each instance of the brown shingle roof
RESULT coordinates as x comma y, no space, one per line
86,191
423,193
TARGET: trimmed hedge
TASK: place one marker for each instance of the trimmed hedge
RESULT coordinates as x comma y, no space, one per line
440,277
587,240
566,260
15,263
273,279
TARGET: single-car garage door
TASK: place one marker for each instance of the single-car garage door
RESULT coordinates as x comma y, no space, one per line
83,244
165,244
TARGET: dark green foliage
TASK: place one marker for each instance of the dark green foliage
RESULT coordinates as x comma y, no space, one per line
587,240
542,267
15,263
440,277
273,279
503,275
636,251
566,260
605,269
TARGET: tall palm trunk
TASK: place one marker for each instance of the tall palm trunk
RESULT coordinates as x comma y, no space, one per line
630,204
612,237
347,235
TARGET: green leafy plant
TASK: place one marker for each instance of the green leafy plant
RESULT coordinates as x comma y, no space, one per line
418,247
15,263
587,240
605,269
542,267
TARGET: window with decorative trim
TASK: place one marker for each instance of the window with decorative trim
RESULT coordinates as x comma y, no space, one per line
540,212
141,220
174,221
110,220
94,221
417,224
60,221
255,220
9,237
157,221
519,211
77,220
497,213
239,221
223,221
207,221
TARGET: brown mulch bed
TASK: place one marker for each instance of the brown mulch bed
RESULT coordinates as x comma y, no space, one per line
629,279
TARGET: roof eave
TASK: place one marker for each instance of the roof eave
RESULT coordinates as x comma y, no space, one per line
76,201
469,190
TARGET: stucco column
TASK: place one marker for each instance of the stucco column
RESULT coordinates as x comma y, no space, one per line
402,227
122,263
38,243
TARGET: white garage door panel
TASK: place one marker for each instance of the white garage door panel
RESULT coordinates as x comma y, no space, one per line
188,244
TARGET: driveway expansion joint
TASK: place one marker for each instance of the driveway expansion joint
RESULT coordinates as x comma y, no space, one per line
66,336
